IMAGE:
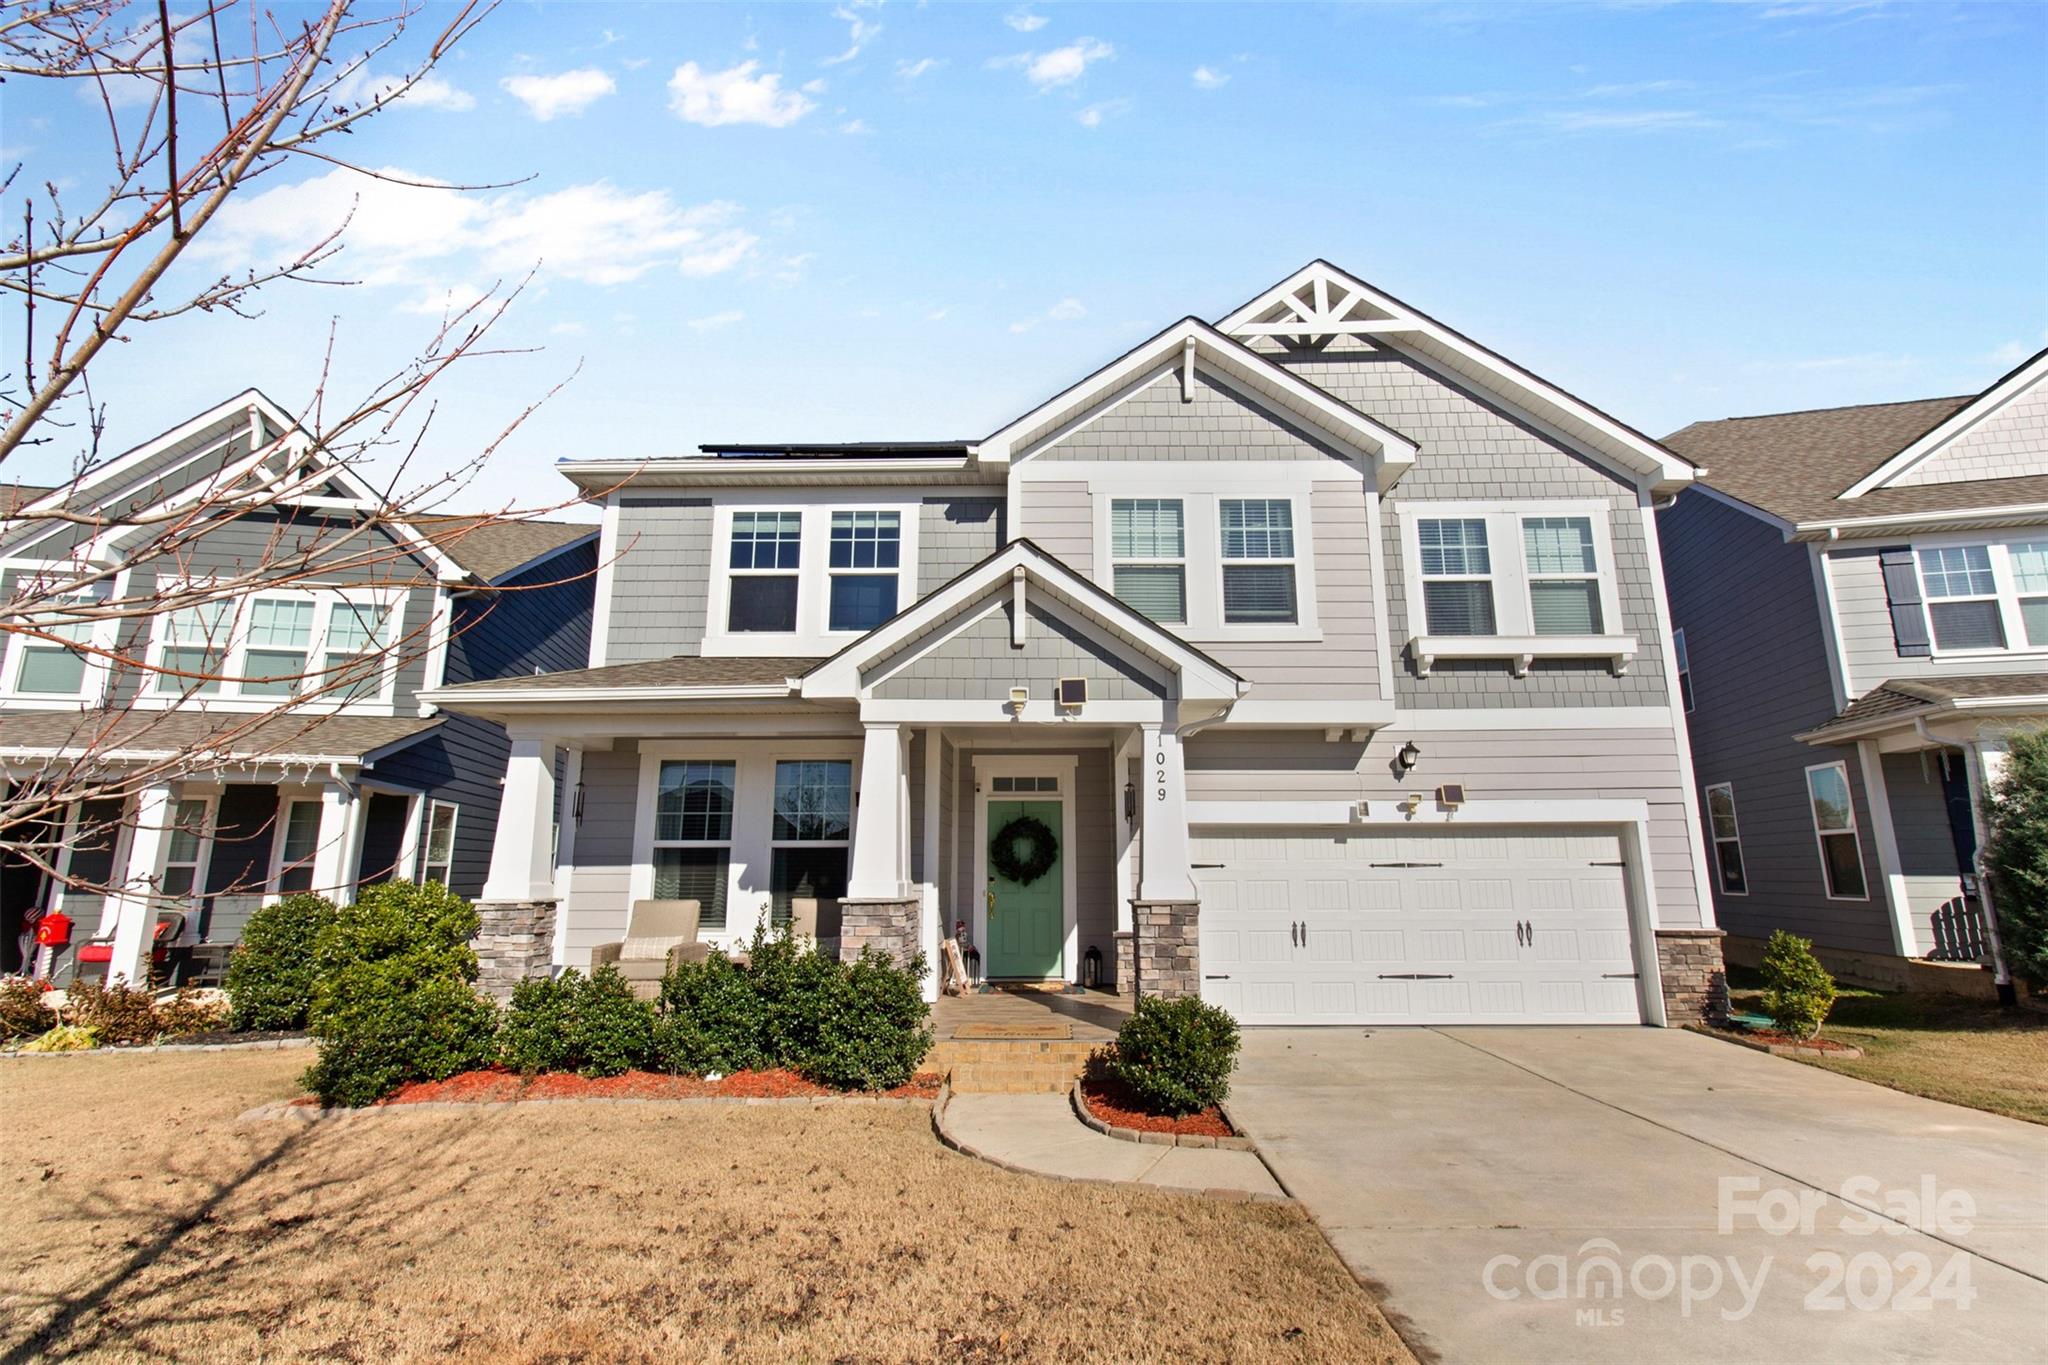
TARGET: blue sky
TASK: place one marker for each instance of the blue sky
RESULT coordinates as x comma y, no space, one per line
815,222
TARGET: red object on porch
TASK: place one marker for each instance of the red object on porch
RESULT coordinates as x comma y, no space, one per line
104,951
53,930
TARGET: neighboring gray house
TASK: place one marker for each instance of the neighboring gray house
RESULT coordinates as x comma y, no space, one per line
1322,651
1862,595
296,792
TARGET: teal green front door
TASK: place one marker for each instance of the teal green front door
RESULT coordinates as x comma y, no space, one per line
1026,923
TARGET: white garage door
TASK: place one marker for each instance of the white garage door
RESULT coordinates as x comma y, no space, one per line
1502,926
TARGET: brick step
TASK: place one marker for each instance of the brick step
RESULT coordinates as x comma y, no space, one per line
972,1078
950,1052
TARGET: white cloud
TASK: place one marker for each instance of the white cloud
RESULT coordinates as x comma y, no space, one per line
551,97
735,95
422,237
1024,21
855,127
717,320
1066,310
910,70
790,269
1061,65
861,31
814,86
428,92
566,329
1094,114
937,315
445,301
1209,78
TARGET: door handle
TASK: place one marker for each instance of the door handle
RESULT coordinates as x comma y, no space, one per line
1294,932
1518,934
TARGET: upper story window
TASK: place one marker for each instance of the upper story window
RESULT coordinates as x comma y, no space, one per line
1681,659
1986,596
1258,561
56,667
1148,556
1457,576
804,579
328,646
1564,575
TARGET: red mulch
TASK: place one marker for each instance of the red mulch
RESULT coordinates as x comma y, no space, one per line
1772,1036
496,1085
1112,1102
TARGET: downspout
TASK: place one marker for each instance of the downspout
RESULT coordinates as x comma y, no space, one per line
1973,768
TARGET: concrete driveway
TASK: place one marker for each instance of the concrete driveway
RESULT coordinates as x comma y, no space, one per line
1649,1195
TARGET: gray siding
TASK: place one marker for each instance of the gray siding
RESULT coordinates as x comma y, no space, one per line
600,884
1513,765
1060,519
1345,663
660,578
2009,444
1927,848
1471,450
953,535
1870,652
980,663
1759,676
1155,423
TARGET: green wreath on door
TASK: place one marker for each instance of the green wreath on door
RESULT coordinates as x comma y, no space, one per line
1040,850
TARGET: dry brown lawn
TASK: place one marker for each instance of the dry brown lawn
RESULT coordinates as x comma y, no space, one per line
143,1220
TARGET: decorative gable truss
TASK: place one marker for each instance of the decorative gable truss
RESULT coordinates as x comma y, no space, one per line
2000,434
994,644
1320,305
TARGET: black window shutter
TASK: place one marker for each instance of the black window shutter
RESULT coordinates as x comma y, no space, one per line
1902,593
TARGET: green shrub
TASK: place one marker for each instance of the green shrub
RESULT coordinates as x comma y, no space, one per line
1175,1055
535,1034
1798,992
708,1019
271,974
2016,855
610,1031
871,1032
22,1011
191,1011
796,987
117,1014
392,999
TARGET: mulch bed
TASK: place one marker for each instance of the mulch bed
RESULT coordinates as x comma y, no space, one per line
1112,1102
1770,1038
497,1085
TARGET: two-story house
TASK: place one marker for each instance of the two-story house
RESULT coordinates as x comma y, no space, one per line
1861,597
1313,660
228,774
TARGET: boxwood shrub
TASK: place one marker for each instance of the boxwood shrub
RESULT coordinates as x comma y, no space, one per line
1798,992
588,1024
1175,1055
271,974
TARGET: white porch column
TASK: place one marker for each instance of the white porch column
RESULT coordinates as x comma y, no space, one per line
879,836
333,877
1164,874
1904,939
135,907
565,850
522,853
931,928
1121,755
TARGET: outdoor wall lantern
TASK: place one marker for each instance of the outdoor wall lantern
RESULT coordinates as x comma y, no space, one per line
1091,967
577,804
1408,757
1130,803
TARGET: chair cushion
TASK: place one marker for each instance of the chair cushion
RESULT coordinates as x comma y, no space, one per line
643,949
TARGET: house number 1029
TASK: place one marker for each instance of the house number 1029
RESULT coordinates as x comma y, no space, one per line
1160,759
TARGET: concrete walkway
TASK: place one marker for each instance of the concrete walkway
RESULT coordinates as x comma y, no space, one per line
1040,1134
1633,1195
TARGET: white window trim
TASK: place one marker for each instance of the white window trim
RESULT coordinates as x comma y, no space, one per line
1681,665
1202,543
230,698
1707,810
813,633
1854,830
280,824
454,810
2006,591
98,671
1152,561
747,900
202,863
1516,639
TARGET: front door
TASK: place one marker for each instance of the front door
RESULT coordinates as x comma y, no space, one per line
1026,921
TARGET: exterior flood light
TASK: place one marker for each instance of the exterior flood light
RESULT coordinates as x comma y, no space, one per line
1019,696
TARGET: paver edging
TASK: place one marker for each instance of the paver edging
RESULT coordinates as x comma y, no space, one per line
1108,1129
313,1113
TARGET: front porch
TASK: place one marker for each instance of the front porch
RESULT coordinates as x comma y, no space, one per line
1021,1041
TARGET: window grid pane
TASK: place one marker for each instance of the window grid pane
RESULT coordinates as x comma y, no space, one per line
766,540
865,540
1958,571
1258,528
813,800
2030,566
1454,548
281,624
693,801
1146,528
1559,545
188,826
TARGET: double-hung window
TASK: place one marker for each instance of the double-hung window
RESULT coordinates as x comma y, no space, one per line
437,863
1681,659
1457,576
2030,583
1148,557
1727,838
1834,826
693,803
766,547
353,649
278,657
57,666
185,850
811,834
1962,597
867,550
195,649
301,835
1258,561
1564,575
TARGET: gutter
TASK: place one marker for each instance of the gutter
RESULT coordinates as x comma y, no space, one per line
1836,528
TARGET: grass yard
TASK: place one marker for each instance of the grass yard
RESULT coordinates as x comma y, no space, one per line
1968,1052
144,1221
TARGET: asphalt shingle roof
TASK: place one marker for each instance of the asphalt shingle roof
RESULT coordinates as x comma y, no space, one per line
1898,698
230,734
679,672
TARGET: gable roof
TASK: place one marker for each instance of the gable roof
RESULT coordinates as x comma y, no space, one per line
1320,301
292,737
2001,392
494,548
1897,701
1188,340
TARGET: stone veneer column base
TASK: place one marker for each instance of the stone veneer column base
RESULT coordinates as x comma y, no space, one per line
1695,979
515,941
1126,981
1168,957
887,925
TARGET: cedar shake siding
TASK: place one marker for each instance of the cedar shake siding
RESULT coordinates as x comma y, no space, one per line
1758,656
661,569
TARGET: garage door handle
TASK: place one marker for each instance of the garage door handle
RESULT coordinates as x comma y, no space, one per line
1415,976
1406,864
1224,977
1621,976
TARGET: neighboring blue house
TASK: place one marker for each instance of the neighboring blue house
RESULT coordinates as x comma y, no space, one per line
1861,603
327,793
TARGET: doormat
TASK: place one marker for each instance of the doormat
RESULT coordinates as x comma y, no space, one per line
1012,1031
